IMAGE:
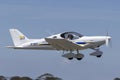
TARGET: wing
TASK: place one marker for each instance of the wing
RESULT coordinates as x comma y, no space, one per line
62,44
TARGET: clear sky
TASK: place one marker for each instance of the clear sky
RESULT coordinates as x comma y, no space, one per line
41,18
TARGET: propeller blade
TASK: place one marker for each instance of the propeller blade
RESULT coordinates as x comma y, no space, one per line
108,41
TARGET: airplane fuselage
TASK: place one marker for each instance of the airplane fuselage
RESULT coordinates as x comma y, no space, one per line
84,43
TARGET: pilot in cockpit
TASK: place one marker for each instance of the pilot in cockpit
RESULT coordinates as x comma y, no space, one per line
70,36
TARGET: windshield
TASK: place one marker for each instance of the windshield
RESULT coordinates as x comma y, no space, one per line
71,35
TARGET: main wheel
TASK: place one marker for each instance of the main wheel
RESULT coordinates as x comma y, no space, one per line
79,58
70,58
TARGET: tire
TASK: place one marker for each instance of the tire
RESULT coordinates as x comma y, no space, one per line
99,56
70,58
79,58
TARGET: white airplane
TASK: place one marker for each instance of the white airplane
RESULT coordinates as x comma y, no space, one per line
67,41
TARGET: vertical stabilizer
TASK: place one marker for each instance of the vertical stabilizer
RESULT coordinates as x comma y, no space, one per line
18,37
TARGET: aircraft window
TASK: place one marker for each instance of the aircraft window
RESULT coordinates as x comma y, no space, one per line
71,35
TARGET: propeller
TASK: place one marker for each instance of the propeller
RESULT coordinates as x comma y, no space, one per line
108,40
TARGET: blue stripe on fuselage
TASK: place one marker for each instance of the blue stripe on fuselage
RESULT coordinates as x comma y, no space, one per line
81,42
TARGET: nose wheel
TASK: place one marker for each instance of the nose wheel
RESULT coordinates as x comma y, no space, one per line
97,53
98,56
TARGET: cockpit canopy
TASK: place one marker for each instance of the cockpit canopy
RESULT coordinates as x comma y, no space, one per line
71,35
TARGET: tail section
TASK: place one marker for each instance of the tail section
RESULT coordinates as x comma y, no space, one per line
18,37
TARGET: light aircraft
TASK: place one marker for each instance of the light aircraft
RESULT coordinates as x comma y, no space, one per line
67,42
